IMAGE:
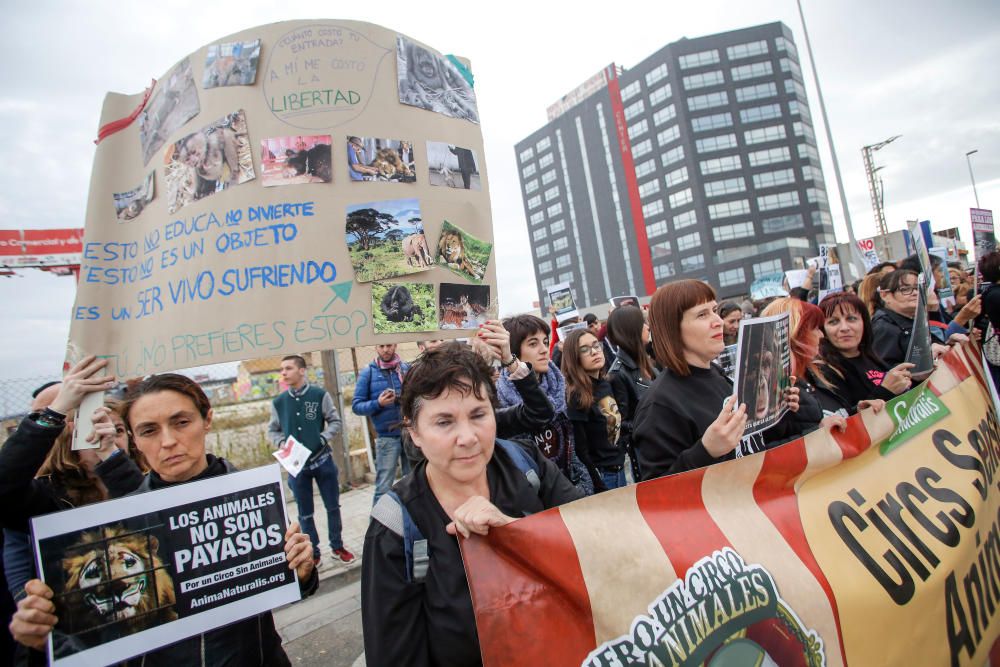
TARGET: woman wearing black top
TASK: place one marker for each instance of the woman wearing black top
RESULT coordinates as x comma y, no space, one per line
989,267
632,371
679,425
467,483
591,407
850,364
892,324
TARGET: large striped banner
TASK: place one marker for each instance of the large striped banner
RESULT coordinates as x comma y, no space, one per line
879,545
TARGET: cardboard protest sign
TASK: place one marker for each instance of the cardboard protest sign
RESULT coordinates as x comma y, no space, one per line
763,370
983,236
824,551
768,285
280,155
829,275
796,277
134,574
561,298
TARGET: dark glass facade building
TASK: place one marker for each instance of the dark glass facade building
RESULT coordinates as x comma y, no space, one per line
699,162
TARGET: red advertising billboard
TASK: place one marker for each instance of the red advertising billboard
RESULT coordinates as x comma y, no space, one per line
28,248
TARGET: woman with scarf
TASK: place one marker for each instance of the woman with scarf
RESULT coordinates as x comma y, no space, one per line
529,336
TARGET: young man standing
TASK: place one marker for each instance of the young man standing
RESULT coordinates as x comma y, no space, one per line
376,395
307,413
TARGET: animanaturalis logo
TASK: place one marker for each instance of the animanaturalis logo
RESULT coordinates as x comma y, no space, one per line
724,612
912,412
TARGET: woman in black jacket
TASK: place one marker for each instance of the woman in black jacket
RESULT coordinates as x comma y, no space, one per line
169,417
892,324
632,371
468,483
688,419
854,372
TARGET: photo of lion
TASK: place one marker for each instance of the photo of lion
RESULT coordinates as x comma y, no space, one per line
114,576
463,253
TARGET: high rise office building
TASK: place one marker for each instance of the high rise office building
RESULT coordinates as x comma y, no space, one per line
699,162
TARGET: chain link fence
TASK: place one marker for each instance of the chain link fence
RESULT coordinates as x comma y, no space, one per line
241,395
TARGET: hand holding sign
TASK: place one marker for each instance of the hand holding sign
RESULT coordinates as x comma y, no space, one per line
35,616
723,435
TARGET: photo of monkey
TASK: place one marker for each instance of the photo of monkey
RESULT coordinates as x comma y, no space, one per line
452,166
128,205
430,81
208,161
403,307
763,370
174,102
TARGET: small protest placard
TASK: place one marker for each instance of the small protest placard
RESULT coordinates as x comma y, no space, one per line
135,574
292,455
565,331
619,301
919,350
561,298
763,370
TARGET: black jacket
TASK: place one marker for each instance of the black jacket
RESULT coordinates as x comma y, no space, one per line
432,623
252,641
855,382
629,387
676,412
23,496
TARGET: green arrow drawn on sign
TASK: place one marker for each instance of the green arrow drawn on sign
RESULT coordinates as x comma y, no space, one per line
340,291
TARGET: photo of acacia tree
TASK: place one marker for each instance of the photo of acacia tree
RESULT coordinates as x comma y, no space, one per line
386,239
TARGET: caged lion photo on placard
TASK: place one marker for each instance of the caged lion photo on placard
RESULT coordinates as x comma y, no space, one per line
109,582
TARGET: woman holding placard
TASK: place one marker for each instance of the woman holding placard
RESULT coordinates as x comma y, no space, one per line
689,417
855,374
169,417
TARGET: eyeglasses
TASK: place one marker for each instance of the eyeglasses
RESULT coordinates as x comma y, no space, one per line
590,349
906,290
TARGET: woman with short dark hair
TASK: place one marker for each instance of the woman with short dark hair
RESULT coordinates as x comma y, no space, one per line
420,613
892,324
679,425
169,417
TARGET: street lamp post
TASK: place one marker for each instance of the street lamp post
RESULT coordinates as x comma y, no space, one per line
968,161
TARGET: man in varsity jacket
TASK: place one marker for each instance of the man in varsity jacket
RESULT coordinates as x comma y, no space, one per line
307,413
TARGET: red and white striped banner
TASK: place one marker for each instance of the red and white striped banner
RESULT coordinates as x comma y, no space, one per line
879,545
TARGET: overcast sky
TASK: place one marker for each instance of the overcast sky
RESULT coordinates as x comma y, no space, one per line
922,69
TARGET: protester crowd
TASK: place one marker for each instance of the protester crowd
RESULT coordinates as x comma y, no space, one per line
481,434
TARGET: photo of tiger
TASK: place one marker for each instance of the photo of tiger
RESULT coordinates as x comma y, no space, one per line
463,253
110,576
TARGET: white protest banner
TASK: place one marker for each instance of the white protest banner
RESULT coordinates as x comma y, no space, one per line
292,455
134,574
763,372
561,299
767,286
298,200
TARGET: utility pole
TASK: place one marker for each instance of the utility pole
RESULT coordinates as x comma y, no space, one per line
855,251
972,178
876,192
341,446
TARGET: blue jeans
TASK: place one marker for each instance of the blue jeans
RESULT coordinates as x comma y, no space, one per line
388,451
613,480
324,471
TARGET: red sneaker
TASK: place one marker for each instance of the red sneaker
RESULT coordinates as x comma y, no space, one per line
344,555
